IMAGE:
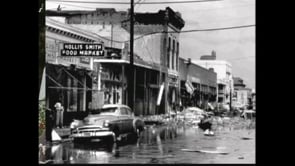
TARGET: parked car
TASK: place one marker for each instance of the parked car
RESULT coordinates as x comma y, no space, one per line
248,114
193,115
107,124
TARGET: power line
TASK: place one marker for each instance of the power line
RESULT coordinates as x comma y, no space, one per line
216,29
246,57
127,3
78,6
198,30
139,3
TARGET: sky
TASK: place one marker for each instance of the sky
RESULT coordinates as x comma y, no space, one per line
236,46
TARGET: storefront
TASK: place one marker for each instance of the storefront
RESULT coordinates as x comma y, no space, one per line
202,85
113,80
173,93
69,80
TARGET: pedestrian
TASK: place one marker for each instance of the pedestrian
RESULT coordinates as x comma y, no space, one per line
206,124
49,121
59,114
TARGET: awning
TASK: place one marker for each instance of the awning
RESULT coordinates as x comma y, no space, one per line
58,85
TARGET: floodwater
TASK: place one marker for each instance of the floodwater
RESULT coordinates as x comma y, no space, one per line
165,144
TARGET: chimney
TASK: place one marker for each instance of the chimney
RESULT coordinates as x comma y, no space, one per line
189,61
213,54
211,69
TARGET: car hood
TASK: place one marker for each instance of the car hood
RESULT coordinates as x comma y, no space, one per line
98,119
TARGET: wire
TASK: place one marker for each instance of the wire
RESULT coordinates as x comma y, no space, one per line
127,3
78,6
246,57
138,4
198,30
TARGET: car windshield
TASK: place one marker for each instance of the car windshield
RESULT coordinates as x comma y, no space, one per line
103,110
108,110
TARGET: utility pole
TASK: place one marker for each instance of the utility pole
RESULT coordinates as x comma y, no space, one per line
131,80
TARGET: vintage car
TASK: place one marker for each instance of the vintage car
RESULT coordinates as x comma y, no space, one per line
193,115
107,124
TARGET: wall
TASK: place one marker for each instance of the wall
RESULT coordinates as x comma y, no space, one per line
224,74
197,72
98,18
242,96
148,48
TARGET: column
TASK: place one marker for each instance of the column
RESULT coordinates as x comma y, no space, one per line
84,93
123,85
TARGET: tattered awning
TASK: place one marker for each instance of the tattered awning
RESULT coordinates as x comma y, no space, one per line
58,85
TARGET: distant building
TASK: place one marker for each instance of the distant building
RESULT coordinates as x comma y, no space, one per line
242,95
203,82
224,77
254,99
209,57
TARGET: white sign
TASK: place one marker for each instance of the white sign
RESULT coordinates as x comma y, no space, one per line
51,51
53,56
189,87
160,95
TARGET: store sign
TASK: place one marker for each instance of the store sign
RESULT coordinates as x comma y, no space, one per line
53,56
82,49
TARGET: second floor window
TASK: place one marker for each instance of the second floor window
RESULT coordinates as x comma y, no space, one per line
168,52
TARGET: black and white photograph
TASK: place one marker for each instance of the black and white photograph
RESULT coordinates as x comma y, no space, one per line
147,82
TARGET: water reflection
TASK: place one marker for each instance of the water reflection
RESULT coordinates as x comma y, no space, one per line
149,143
154,145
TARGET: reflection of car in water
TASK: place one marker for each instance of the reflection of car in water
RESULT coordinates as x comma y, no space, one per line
107,124
89,156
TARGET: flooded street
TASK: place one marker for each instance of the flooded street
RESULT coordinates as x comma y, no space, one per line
232,143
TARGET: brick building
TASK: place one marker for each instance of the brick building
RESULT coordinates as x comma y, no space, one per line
204,82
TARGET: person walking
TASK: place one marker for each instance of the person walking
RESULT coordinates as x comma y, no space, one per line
59,114
206,124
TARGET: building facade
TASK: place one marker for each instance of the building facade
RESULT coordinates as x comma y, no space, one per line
242,95
68,79
198,85
224,77
155,56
